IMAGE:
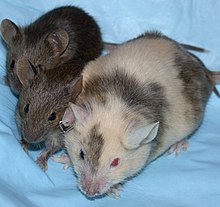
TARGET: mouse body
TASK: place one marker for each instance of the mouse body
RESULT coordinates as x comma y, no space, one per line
136,102
64,34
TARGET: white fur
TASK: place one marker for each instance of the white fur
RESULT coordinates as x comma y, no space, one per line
152,60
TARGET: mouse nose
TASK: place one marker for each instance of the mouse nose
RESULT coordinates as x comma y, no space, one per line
92,187
32,136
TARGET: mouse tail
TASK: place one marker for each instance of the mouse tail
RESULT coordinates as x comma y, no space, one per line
194,48
214,78
110,46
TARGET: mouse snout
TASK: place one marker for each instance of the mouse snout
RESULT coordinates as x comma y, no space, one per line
92,186
32,136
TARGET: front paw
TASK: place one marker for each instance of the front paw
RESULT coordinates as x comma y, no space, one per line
115,190
5,80
178,147
42,160
64,159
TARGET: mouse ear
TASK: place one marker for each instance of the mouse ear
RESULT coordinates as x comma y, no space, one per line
74,114
138,135
76,88
57,41
68,117
9,30
26,74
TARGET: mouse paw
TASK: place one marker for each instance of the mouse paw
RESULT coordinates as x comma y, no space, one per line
178,147
5,80
42,160
64,159
115,191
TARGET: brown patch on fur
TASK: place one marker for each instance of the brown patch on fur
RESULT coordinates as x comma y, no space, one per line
196,85
143,99
95,146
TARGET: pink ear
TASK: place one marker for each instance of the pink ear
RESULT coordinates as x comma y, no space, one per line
74,114
68,117
80,114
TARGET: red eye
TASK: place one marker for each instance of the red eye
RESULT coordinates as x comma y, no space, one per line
115,162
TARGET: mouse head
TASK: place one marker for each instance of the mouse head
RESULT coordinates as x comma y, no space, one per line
43,101
104,149
44,49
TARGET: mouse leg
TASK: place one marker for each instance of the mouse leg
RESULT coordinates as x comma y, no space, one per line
181,145
42,159
53,143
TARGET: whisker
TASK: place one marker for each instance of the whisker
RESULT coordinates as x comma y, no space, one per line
136,186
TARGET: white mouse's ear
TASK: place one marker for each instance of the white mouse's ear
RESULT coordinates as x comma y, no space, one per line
74,114
9,31
57,42
68,117
138,135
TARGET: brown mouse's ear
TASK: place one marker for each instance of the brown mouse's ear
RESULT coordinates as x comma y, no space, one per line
76,88
138,135
9,30
26,74
57,41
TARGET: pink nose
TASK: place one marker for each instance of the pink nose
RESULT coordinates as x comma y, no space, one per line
92,188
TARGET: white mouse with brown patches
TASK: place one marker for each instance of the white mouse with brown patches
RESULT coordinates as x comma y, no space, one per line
144,97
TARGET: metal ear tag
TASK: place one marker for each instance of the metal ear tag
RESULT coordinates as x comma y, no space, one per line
63,128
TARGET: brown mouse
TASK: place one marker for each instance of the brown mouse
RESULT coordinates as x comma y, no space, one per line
41,104
64,34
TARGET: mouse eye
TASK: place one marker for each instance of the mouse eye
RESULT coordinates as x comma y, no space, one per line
82,154
115,162
12,65
52,117
38,66
26,108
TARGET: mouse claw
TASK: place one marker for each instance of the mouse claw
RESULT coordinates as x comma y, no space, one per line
42,160
178,147
24,144
64,159
115,191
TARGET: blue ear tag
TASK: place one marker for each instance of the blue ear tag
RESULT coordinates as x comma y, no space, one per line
63,128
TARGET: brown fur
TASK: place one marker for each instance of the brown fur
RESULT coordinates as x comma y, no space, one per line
35,42
95,145
48,92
